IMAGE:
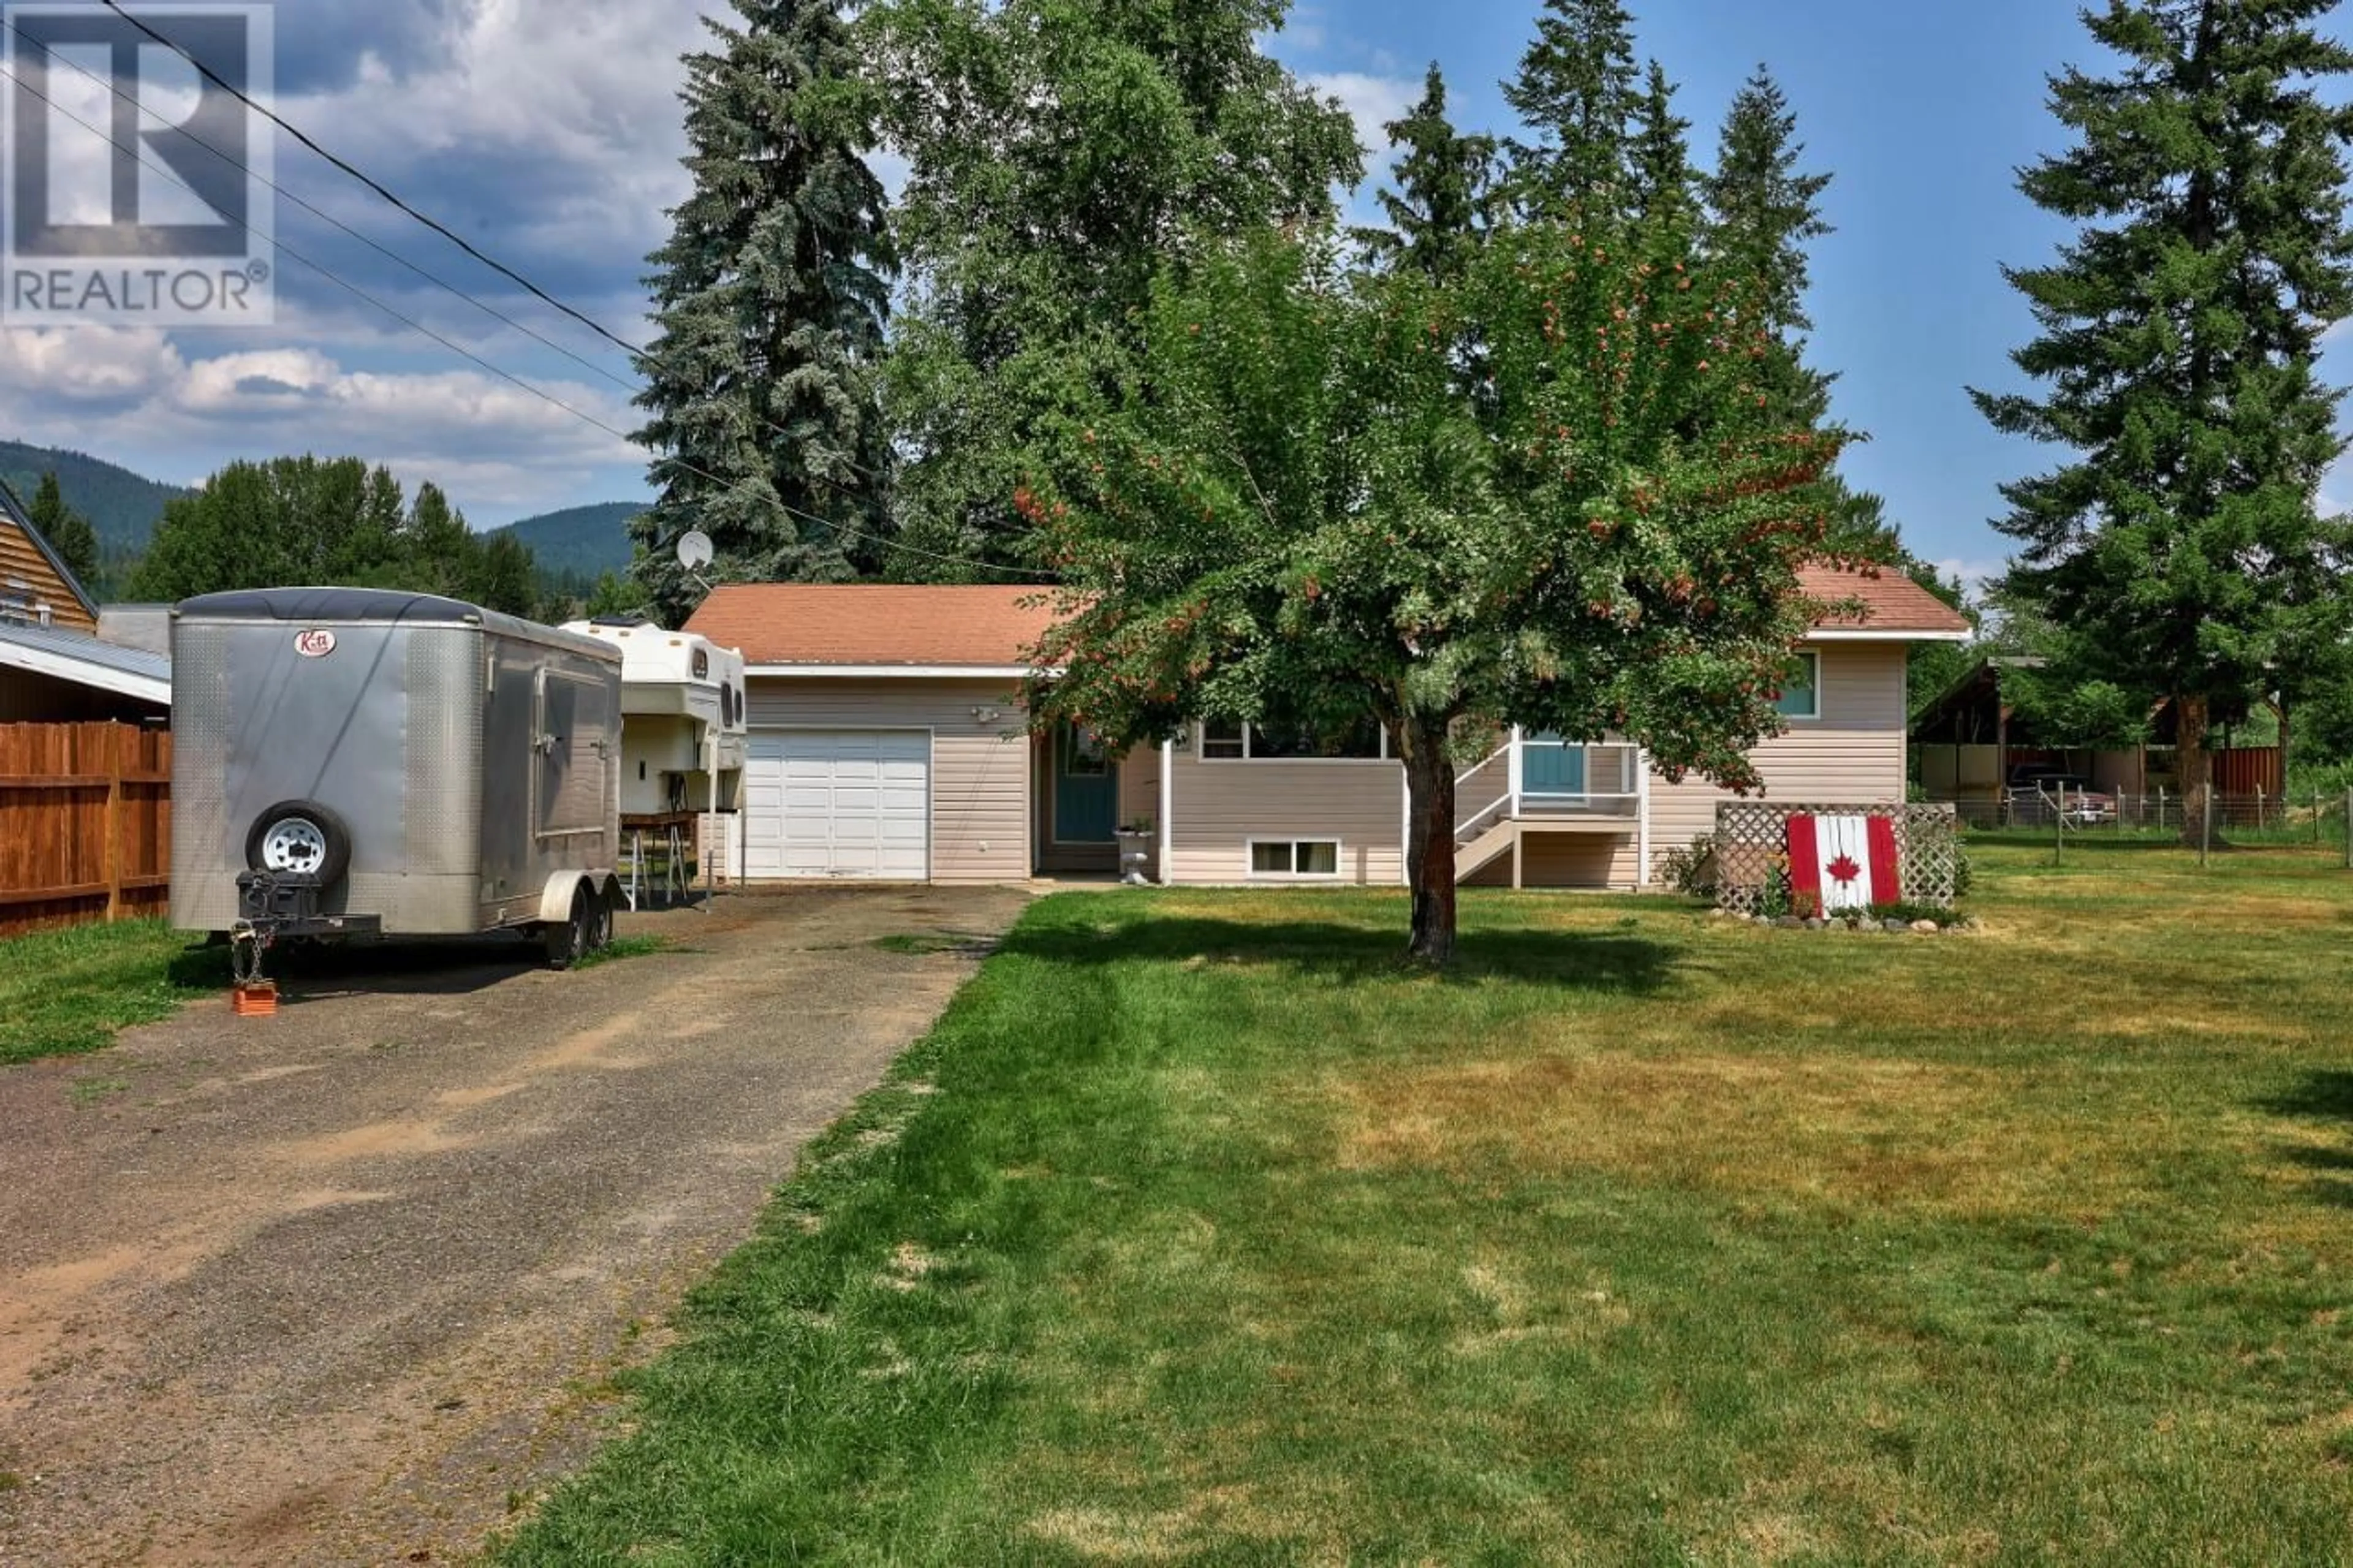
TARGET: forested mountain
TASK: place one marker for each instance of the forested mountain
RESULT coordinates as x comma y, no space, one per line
123,506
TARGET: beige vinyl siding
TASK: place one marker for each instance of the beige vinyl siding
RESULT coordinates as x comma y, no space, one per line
980,772
1852,755
1565,860
1221,806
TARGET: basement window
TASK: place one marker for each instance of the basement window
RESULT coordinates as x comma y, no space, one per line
1294,857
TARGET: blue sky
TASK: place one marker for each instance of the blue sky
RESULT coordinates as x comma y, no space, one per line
547,130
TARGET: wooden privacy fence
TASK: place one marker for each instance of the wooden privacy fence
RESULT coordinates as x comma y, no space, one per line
85,824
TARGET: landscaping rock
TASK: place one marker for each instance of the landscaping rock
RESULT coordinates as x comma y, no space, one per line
1895,925
1817,923
1790,923
1925,928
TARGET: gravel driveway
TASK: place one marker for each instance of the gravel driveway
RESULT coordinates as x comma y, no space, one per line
347,1285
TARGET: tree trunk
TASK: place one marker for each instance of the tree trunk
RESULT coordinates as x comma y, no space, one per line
1429,844
2194,763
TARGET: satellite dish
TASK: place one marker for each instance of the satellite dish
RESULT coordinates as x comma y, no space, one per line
694,552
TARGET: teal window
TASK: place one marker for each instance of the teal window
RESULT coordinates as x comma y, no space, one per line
1802,688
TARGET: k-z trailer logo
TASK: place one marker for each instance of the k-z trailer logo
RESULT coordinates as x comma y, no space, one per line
138,167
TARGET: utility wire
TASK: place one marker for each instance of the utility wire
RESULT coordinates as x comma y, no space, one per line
434,224
839,530
438,281
446,232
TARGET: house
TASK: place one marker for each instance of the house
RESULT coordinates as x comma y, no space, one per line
54,668
888,741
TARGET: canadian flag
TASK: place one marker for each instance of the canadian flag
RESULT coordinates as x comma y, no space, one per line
1843,862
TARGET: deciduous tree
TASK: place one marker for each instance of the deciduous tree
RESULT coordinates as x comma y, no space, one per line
1058,155
308,522
1298,508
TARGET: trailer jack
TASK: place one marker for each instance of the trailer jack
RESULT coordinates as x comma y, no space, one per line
273,906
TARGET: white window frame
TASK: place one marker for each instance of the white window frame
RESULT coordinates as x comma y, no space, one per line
1200,750
1339,857
1813,658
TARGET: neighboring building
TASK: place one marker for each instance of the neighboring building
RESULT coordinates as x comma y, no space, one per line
36,587
889,742
53,670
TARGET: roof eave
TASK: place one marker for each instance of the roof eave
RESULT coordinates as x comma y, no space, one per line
97,677
1884,634
754,669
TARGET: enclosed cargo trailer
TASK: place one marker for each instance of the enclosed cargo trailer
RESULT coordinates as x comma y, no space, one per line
351,761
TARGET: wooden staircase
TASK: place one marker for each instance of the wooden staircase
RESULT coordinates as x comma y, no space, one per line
1483,851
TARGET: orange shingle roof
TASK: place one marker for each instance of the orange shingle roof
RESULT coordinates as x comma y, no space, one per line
924,625
933,626
1890,601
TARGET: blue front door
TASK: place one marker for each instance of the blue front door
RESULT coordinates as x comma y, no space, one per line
1550,767
1086,789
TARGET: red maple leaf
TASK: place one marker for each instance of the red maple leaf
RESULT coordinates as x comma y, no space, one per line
1843,869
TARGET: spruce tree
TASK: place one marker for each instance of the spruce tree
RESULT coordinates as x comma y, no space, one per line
1440,202
1577,92
771,298
1664,183
69,532
2182,544
1762,213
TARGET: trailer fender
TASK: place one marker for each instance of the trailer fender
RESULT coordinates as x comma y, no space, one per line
555,899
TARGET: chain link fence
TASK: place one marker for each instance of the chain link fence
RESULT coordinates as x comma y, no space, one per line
2286,819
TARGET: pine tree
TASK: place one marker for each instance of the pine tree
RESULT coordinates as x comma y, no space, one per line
1441,201
2182,544
1664,183
69,532
1762,213
1576,91
771,298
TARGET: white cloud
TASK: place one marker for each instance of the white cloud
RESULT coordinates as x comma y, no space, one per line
1372,101
1975,573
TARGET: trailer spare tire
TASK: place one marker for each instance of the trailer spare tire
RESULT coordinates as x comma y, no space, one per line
300,837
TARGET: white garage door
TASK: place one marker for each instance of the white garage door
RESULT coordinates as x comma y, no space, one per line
837,803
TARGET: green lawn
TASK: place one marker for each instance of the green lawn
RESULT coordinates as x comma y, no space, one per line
67,992
1200,1232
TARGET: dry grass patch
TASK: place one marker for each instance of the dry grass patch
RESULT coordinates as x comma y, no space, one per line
1850,1131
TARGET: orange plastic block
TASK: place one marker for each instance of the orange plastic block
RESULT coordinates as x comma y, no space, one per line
254,1001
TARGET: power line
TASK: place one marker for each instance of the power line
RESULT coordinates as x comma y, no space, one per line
377,186
434,224
439,282
839,530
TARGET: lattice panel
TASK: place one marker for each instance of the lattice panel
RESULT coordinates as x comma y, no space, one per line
1752,840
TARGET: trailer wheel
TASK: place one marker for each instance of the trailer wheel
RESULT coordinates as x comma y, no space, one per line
600,920
568,940
301,836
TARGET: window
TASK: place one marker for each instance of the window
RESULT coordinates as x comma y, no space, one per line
1225,740
1802,688
1294,857
1231,742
